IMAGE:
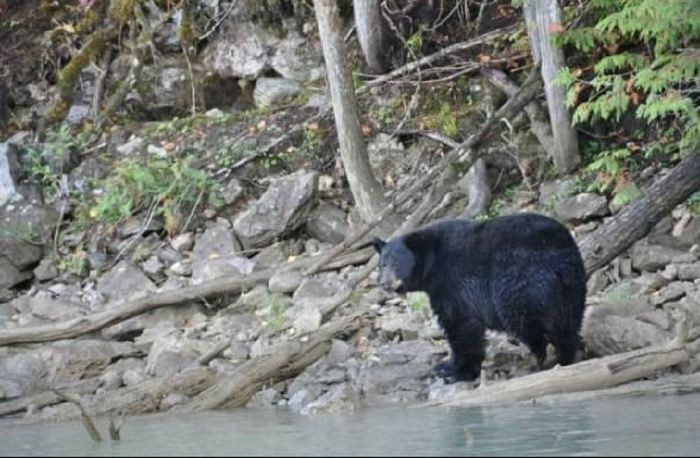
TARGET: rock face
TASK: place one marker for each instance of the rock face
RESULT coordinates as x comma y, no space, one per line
245,50
328,223
282,208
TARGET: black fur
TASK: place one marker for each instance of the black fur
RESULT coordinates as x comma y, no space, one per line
522,274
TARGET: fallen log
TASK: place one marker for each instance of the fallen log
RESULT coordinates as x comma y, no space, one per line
288,360
638,218
588,375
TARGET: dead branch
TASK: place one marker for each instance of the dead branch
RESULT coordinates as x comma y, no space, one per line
427,60
85,417
539,127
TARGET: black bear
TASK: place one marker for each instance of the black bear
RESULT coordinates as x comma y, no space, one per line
522,274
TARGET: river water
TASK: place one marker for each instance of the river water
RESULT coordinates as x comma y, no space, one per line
645,426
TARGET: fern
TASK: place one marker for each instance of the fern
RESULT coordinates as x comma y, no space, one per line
643,60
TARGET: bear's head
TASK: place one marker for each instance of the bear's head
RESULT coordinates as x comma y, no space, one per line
397,263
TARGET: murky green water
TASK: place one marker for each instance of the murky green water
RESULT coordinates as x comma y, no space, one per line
622,426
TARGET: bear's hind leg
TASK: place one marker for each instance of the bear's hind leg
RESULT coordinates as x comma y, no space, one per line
534,337
566,348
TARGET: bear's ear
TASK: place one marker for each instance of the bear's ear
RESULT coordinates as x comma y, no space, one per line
378,244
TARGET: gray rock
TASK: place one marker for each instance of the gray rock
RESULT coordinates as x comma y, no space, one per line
650,258
10,275
400,323
214,255
77,114
96,259
20,223
300,399
232,191
689,271
125,282
399,370
131,147
20,374
272,91
264,398
606,334
277,254
157,151
52,305
340,397
282,208
171,353
672,292
46,270
245,50
339,353
182,268
133,377
328,223
153,266
135,225
237,351
172,400
183,242
659,318
285,281
581,207
552,191
162,318
309,320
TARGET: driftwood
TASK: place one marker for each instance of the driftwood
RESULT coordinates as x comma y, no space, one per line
588,375
288,360
85,417
48,397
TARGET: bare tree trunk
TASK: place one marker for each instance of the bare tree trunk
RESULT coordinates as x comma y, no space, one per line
371,33
638,218
363,184
479,190
543,20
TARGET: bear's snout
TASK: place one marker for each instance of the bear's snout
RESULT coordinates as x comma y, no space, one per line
390,282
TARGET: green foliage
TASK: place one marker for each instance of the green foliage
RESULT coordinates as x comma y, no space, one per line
419,303
74,263
170,184
694,204
275,307
643,61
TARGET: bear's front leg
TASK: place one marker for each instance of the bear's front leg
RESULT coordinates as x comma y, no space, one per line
466,338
